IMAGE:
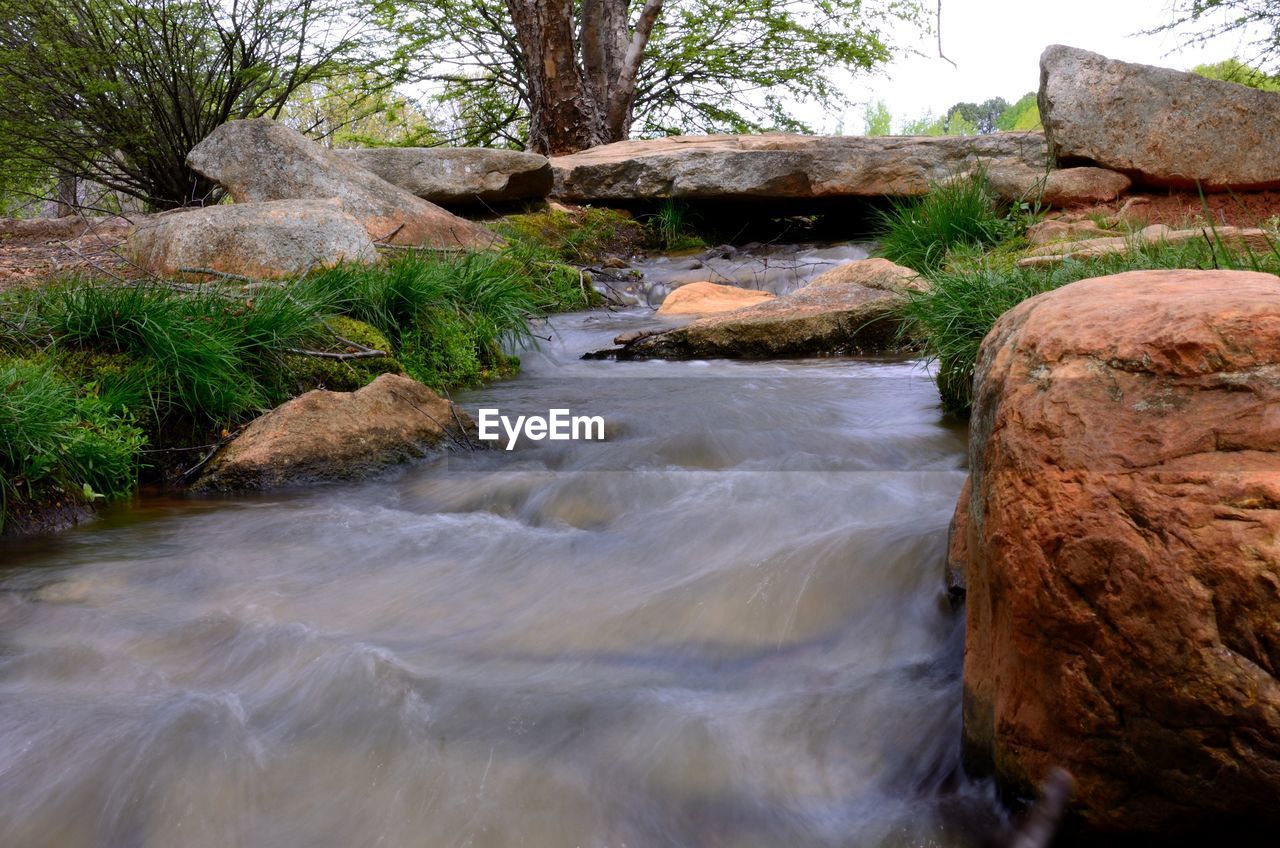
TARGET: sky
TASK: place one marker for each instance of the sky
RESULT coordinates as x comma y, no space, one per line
996,46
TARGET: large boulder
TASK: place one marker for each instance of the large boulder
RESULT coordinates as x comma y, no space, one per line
1059,188
282,238
458,176
1161,127
1123,544
836,315
259,159
704,298
781,166
325,435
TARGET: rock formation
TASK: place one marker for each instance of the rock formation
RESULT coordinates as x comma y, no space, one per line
1123,545
779,166
282,238
1161,127
325,435
850,309
259,159
458,176
704,298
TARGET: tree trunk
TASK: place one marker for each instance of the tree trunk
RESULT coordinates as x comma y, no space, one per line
563,118
66,200
582,84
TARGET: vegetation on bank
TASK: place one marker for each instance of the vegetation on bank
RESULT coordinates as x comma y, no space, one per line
106,383
966,243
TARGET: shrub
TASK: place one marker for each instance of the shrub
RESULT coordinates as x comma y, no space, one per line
338,375
209,357
960,212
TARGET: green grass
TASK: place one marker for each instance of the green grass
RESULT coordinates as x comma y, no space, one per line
56,437
672,227
449,319
92,369
964,300
958,213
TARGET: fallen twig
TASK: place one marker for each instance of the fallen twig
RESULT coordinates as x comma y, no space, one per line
328,354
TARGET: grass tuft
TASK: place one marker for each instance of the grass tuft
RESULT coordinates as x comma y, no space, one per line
958,213
964,300
56,438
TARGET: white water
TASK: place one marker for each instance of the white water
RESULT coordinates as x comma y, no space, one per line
722,627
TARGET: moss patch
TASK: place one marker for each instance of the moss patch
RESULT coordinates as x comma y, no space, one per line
343,375
580,235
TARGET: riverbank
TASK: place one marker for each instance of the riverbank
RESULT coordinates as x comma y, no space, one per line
118,379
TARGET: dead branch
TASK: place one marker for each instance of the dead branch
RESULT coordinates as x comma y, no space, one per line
367,353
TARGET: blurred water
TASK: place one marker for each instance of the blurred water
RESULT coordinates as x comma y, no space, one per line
721,627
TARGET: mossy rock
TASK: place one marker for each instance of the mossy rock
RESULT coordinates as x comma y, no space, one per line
343,375
576,234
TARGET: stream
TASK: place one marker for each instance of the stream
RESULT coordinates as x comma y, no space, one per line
724,625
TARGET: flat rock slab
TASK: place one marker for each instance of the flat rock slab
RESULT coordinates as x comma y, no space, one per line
778,166
259,159
282,238
1233,238
1161,127
458,176
325,435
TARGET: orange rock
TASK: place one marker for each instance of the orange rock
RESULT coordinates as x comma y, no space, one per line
1123,612
709,299
324,435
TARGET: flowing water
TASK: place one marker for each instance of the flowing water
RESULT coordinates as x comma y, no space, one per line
723,626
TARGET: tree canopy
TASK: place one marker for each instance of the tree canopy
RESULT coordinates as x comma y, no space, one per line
1257,22
118,91
707,66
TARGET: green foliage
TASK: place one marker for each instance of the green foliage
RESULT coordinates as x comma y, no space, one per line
878,119
119,92
926,124
963,301
959,212
449,318
735,66
976,118
359,110
1233,70
1021,116
56,439
87,366
1254,24
305,373
209,358
672,227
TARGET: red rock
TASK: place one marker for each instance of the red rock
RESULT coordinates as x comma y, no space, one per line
1123,613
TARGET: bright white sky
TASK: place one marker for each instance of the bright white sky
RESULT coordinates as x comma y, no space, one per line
996,45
